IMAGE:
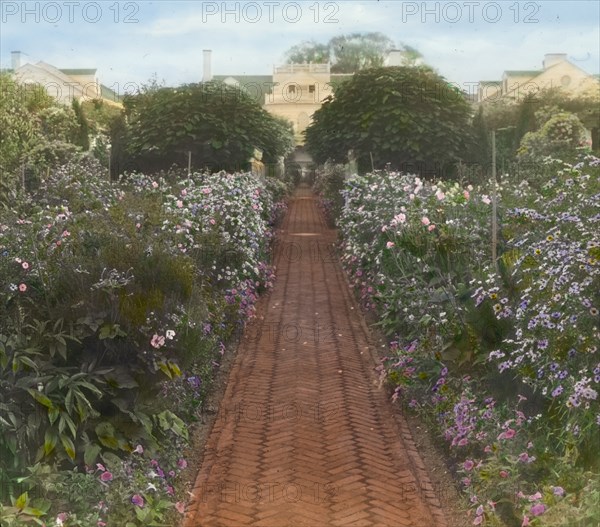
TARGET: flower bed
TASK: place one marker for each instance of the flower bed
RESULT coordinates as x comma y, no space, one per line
116,306
501,361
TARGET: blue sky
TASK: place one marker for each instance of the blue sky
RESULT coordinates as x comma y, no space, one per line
129,42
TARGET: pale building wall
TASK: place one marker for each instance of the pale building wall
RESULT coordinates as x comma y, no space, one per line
90,85
61,88
297,94
563,75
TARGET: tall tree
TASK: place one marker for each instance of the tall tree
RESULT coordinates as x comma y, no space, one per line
408,117
82,132
308,51
351,53
219,124
358,51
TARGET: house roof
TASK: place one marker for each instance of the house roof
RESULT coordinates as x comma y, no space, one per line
78,71
107,93
516,73
490,82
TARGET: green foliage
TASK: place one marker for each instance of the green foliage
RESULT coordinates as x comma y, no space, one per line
329,183
117,301
38,135
350,53
560,135
221,126
410,118
308,51
20,127
514,119
354,52
81,135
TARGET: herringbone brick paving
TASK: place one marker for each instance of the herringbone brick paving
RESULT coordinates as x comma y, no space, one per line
304,436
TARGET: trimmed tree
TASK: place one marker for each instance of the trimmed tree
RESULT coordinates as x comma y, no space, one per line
219,124
410,118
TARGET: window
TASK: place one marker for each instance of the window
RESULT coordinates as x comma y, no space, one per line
292,88
311,88
565,80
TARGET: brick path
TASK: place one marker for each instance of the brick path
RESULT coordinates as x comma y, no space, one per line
304,436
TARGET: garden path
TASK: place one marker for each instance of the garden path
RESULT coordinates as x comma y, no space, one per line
305,436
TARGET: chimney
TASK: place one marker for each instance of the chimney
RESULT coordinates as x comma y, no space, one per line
16,59
550,59
395,58
207,73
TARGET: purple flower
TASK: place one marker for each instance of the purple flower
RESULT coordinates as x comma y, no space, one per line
468,465
538,509
558,491
137,500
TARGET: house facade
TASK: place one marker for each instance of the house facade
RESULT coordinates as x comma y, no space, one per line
557,72
293,92
64,85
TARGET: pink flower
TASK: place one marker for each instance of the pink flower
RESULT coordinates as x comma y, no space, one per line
25,265
468,465
523,457
206,190
154,184
182,463
101,524
384,228
509,433
503,474
138,225
137,500
538,509
464,441
212,222
66,233
157,341
430,228
477,520
440,195
179,204
425,220
100,466
22,288
389,245
487,201
525,521
466,194
106,476
180,507
466,481
184,192
139,449
487,449
536,496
